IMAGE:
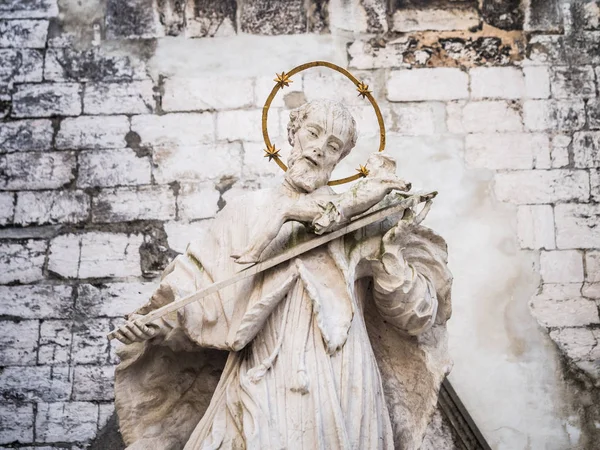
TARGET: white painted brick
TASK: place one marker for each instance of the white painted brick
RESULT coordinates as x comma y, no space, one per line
591,290
559,153
18,9
198,163
18,342
255,163
569,82
577,343
264,85
90,345
366,122
595,184
490,116
454,117
105,168
245,125
70,422
572,312
434,19
105,414
23,33
113,299
43,207
135,97
504,151
17,423
586,149
42,301
497,82
561,291
93,132
427,84
207,93
562,115
127,204
7,207
22,261
592,266
418,119
179,234
55,342
21,66
542,186
172,130
326,84
95,255
577,226
37,383
564,266
93,383
537,82
46,100
33,170
535,226
25,135
197,201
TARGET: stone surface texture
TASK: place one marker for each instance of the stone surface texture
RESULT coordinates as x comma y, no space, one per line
115,152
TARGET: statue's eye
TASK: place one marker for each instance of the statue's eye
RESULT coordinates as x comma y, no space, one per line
312,133
333,146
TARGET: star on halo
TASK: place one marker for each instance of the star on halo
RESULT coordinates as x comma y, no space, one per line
283,79
362,170
363,89
271,152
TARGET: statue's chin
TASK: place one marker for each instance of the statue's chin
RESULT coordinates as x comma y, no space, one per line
305,179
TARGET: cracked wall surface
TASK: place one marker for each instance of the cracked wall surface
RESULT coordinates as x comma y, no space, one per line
126,125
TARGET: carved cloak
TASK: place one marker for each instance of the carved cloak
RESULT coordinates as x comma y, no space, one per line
164,385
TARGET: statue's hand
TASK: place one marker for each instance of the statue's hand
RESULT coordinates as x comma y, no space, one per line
135,331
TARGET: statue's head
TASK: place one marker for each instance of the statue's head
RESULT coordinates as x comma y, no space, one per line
321,133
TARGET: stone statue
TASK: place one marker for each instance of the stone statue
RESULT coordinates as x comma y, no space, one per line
342,347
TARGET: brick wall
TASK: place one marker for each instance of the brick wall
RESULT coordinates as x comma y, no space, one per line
110,159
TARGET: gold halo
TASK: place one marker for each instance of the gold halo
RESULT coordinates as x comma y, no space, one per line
283,80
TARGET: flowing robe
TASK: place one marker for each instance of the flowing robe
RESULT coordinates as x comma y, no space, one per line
319,355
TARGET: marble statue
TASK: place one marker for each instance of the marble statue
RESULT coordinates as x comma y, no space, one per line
341,347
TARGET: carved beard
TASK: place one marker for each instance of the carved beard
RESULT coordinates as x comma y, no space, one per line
303,174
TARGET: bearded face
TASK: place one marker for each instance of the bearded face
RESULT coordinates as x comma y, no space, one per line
323,138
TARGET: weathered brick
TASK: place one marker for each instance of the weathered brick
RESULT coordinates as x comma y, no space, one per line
434,19
126,204
46,100
564,266
43,207
135,97
25,135
255,164
179,235
23,33
546,49
542,186
197,201
573,312
497,82
22,262
207,93
91,65
33,170
427,84
416,119
95,255
245,125
561,291
537,82
577,343
18,342
595,184
16,423
561,115
90,345
172,130
577,226
267,17
591,290
93,132
210,19
593,113
29,9
104,168
70,422
335,86
592,266
106,410
264,85
93,383
356,16
499,151
113,299
198,163
55,342
37,383
21,66
133,19
559,152
485,116
36,302
7,207
535,227
569,82
586,149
